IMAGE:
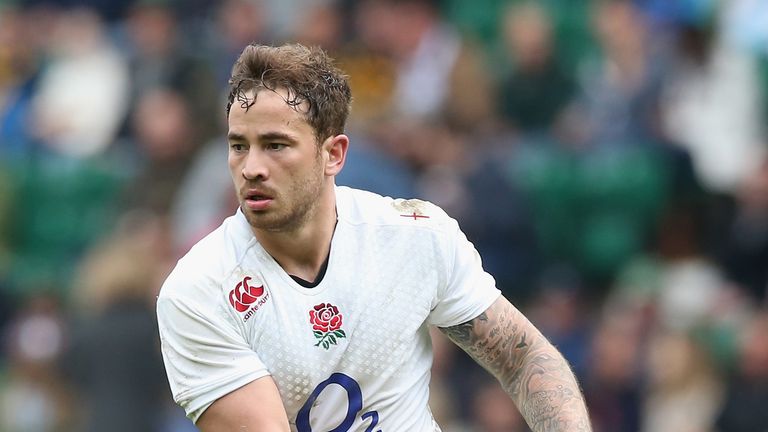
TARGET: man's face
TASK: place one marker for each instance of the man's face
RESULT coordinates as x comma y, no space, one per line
275,162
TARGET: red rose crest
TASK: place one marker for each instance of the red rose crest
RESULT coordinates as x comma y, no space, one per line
244,295
326,324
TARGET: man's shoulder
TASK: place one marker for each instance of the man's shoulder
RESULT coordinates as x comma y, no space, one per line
364,207
209,262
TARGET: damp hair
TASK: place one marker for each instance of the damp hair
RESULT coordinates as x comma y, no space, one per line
313,84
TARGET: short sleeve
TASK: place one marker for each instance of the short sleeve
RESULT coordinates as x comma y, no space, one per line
205,355
469,289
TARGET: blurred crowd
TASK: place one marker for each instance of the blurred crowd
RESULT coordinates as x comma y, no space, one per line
608,158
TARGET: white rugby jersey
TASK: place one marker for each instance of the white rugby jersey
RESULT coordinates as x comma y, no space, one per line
352,353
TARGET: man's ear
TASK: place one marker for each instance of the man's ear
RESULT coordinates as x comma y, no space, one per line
335,150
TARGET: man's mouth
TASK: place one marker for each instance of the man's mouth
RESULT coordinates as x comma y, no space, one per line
256,200
256,197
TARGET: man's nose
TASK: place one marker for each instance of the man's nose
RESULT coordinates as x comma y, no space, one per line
255,167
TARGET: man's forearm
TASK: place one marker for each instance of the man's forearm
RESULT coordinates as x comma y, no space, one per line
530,369
545,390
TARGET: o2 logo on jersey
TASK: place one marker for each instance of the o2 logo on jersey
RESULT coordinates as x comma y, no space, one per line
246,297
354,405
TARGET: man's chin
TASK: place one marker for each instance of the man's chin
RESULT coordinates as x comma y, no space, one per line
259,220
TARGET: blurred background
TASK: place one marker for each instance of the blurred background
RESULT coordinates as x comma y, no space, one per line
607,158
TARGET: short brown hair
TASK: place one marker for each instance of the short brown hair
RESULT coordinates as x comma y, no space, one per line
307,73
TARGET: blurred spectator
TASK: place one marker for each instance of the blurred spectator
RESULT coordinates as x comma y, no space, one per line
285,15
497,218
110,10
538,88
435,67
84,90
32,396
20,64
193,218
747,394
711,106
113,358
558,311
238,23
612,382
636,290
159,58
321,23
620,88
745,253
570,22
372,71
371,167
679,289
166,139
684,391
692,289
673,13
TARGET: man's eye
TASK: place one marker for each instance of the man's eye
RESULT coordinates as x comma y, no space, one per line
275,146
238,147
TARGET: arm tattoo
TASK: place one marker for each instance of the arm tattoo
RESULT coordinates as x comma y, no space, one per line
531,370
462,333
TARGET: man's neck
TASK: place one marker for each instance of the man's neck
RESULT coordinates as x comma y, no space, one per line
303,251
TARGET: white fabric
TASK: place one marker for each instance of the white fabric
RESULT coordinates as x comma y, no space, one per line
82,100
423,81
714,112
389,274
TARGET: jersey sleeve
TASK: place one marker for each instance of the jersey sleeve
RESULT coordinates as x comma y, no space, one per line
205,354
469,289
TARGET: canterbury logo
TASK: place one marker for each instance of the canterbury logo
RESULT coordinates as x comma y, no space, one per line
244,295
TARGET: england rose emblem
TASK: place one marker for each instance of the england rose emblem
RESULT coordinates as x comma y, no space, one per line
326,323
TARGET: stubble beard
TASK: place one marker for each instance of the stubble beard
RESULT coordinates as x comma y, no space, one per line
298,206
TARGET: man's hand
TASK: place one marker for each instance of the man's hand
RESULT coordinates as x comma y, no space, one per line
529,368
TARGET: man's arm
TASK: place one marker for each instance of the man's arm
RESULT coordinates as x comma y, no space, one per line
529,368
255,407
